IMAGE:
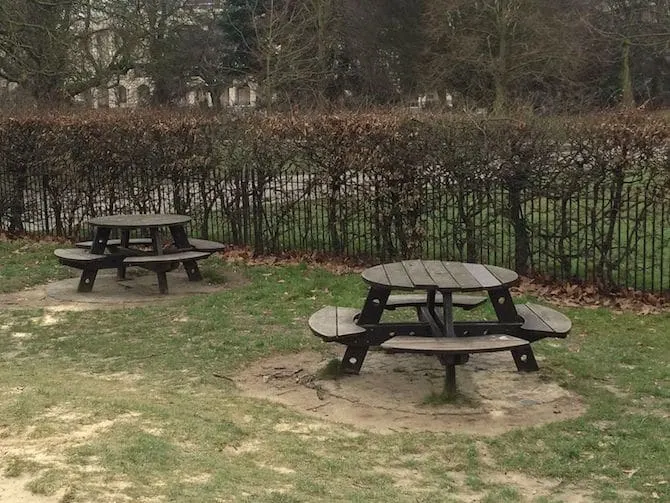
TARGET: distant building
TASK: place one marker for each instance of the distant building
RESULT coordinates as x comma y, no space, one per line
134,89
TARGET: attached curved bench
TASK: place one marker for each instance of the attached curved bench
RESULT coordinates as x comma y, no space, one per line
156,261
76,257
332,323
89,263
453,351
116,242
542,321
206,245
465,302
454,345
82,259
203,245
161,264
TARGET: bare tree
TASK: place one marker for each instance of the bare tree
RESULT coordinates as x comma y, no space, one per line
496,50
56,49
633,47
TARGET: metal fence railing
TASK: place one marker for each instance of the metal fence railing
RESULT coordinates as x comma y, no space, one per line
583,235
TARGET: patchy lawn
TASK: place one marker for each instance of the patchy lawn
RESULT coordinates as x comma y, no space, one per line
142,404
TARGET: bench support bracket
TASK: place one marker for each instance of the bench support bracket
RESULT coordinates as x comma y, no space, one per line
192,270
86,280
524,358
352,361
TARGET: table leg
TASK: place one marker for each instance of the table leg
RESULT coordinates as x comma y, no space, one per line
98,245
524,358
157,246
441,324
448,314
503,304
450,380
432,320
156,243
374,305
125,242
353,358
86,280
449,363
99,242
430,302
162,282
180,239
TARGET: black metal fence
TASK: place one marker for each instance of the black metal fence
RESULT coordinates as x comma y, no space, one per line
592,233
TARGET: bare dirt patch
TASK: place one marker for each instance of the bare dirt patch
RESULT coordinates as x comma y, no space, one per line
13,489
139,288
391,391
49,451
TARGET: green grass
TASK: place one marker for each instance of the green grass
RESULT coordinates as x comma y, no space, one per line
26,263
131,402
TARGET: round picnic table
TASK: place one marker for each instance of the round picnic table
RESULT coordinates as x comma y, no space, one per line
440,284
153,222
135,221
446,278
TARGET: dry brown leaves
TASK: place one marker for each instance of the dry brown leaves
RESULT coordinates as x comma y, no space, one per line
587,295
333,264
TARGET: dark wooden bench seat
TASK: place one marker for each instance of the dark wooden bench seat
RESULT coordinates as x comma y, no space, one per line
542,321
116,242
89,263
161,264
332,323
203,245
452,351
453,345
151,261
206,245
77,255
82,259
465,302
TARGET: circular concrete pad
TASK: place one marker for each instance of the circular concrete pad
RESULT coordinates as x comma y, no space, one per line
137,287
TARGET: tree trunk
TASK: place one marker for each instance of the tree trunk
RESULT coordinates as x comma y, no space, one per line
627,98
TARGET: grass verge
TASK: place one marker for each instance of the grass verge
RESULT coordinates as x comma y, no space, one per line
125,405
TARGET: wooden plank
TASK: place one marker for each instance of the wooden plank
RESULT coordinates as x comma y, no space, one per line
543,319
332,322
532,322
198,244
169,257
206,245
77,255
376,276
419,299
441,277
115,242
505,276
397,276
482,275
417,274
454,345
462,276
136,220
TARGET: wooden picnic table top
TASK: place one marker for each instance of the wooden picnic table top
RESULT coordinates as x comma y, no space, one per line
444,276
136,221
